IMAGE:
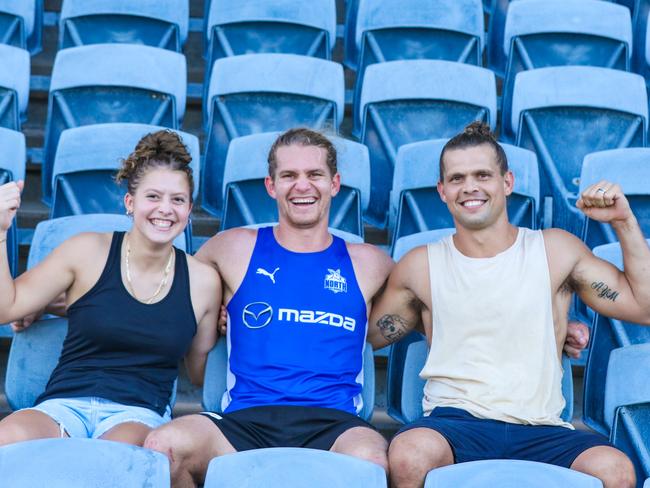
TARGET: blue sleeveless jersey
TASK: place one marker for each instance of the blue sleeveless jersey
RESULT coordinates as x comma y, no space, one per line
296,330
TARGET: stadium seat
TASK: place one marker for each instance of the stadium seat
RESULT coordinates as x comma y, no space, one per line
157,23
405,387
216,372
14,86
397,108
256,93
506,473
21,22
286,467
630,434
607,334
103,83
246,201
415,205
411,241
542,33
630,168
82,463
564,113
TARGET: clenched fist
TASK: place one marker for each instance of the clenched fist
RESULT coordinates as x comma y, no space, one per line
9,203
604,202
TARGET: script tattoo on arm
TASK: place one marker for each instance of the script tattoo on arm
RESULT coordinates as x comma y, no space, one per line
393,327
604,291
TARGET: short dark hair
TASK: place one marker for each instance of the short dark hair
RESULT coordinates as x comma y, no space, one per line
302,136
475,134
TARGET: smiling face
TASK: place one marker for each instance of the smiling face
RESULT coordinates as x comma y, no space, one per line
161,204
473,187
302,185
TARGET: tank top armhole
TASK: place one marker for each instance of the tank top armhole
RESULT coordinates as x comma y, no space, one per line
181,283
260,240
115,247
433,250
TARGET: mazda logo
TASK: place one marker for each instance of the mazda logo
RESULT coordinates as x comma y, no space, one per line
257,315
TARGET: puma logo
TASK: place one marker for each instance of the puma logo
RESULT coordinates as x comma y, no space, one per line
264,272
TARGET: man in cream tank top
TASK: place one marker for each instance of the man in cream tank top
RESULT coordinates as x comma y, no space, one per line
488,298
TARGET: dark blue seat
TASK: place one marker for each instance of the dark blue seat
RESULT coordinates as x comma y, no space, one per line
14,86
543,33
13,156
415,205
397,107
217,375
607,335
103,83
64,463
290,467
21,22
564,113
256,93
157,23
246,201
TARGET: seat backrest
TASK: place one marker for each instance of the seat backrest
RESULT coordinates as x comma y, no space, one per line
282,467
13,153
626,382
404,244
14,75
216,371
82,462
25,10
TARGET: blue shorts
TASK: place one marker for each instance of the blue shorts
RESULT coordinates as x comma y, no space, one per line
474,439
91,417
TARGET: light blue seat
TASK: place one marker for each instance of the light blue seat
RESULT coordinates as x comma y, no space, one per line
542,33
411,241
82,463
14,86
216,371
21,22
103,83
256,93
630,168
398,108
507,473
286,467
415,205
627,404
405,387
564,113
607,334
13,156
158,23
246,201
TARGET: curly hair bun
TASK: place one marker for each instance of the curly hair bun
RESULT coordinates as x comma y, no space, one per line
478,128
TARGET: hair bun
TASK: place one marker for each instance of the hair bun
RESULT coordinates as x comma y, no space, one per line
478,128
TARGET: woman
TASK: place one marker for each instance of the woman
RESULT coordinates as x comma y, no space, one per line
135,306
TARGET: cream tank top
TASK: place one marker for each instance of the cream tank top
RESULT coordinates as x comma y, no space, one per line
493,350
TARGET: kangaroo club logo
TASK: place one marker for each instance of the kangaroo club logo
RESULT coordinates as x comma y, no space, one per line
335,282
257,315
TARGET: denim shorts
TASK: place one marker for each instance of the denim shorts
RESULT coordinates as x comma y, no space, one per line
91,417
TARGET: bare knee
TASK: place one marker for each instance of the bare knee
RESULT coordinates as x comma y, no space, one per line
610,465
363,443
414,453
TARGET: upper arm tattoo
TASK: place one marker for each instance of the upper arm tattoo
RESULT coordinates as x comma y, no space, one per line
393,327
604,291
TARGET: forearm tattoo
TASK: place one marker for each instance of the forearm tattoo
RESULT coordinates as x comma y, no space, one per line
393,327
604,291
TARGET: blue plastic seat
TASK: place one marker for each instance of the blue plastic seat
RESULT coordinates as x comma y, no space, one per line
13,156
256,93
286,467
411,241
103,83
246,201
157,23
21,22
63,463
630,168
630,434
507,473
564,113
398,108
416,206
542,33
405,388
216,372
607,334
14,86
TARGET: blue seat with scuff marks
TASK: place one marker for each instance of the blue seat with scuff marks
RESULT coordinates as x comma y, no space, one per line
14,86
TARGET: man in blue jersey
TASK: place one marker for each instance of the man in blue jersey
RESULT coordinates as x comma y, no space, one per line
298,300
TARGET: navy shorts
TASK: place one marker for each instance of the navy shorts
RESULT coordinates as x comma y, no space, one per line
285,426
474,439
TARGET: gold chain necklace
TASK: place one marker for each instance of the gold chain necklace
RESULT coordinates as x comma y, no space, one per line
162,284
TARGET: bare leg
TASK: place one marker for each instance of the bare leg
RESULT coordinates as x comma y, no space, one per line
363,443
26,425
412,454
190,443
129,432
610,465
